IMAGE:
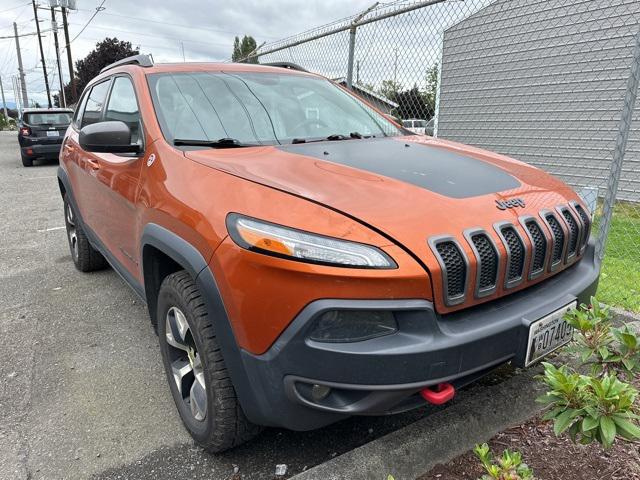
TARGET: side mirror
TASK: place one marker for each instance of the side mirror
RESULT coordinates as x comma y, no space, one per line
107,137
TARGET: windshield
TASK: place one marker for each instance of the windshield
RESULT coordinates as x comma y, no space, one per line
47,118
259,108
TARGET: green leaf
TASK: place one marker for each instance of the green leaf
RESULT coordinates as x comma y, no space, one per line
604,352
627,429
608,431
629,364
564,420
589,423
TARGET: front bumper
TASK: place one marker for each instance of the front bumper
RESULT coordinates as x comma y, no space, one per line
384,375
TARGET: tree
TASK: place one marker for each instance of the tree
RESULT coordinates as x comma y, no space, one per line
390,89
106,52
412,103
243,48
431,91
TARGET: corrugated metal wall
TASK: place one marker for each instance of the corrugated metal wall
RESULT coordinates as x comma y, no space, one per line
544,82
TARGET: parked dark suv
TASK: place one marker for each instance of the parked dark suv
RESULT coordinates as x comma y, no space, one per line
40,133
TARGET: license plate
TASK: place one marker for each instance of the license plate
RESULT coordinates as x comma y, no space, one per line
53,133
548,334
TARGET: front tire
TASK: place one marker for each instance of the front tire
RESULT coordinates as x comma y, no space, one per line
85,257
196,372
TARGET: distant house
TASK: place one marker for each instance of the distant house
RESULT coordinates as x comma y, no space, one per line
381,102
545,82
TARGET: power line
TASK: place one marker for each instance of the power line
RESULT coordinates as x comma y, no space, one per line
176,39
170,24
98,10
14,8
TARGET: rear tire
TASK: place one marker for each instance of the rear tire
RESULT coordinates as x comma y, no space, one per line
85,257
196,372
26,161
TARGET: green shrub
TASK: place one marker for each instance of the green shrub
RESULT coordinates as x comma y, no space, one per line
601,406
507,467
599,344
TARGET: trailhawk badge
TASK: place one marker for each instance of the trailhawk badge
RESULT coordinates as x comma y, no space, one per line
514,202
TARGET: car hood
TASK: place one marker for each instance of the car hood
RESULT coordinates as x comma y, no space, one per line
407,188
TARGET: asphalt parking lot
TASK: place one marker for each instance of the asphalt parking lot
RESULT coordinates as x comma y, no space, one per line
82,389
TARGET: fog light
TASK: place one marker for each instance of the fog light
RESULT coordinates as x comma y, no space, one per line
320,392
353,325
29,151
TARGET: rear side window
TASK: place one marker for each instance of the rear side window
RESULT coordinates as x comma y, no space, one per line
123,106
93,108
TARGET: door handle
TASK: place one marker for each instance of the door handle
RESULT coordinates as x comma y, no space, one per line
92,164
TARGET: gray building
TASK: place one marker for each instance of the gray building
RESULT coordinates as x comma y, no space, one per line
544,81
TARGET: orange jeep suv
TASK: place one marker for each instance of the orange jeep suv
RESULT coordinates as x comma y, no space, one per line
303,258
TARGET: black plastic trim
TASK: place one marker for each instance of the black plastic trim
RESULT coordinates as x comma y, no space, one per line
433,243
553,266
570,257
498,227
548,250
468,235
586,228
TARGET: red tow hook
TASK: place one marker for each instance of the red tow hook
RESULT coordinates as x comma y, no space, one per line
439,395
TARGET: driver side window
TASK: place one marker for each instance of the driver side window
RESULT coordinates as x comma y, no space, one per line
123,106
95,101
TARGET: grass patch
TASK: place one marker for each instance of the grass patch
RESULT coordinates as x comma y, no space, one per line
620,278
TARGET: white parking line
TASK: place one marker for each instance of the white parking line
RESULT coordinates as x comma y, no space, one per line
51,229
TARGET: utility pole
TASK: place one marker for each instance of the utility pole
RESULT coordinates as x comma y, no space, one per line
4,103
44,65
23,84
182,47
15,83
54,26
69,60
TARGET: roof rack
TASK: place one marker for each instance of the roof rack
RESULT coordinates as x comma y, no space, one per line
141,60
287,65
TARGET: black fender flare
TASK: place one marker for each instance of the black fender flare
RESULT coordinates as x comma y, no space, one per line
188,257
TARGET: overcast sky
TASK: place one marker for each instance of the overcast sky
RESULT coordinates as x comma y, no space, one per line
205,28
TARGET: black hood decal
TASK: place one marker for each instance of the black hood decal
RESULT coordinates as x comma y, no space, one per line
436,169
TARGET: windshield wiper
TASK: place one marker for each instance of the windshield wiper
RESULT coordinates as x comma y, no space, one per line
220,143
334,137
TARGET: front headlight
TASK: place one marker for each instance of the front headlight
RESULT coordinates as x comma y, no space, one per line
276,240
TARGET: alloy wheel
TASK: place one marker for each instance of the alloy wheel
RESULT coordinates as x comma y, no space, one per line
186,363
72,232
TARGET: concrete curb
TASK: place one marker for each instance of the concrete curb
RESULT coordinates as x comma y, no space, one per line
625,316
478,413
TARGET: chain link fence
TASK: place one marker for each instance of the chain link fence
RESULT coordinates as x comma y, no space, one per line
550,82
